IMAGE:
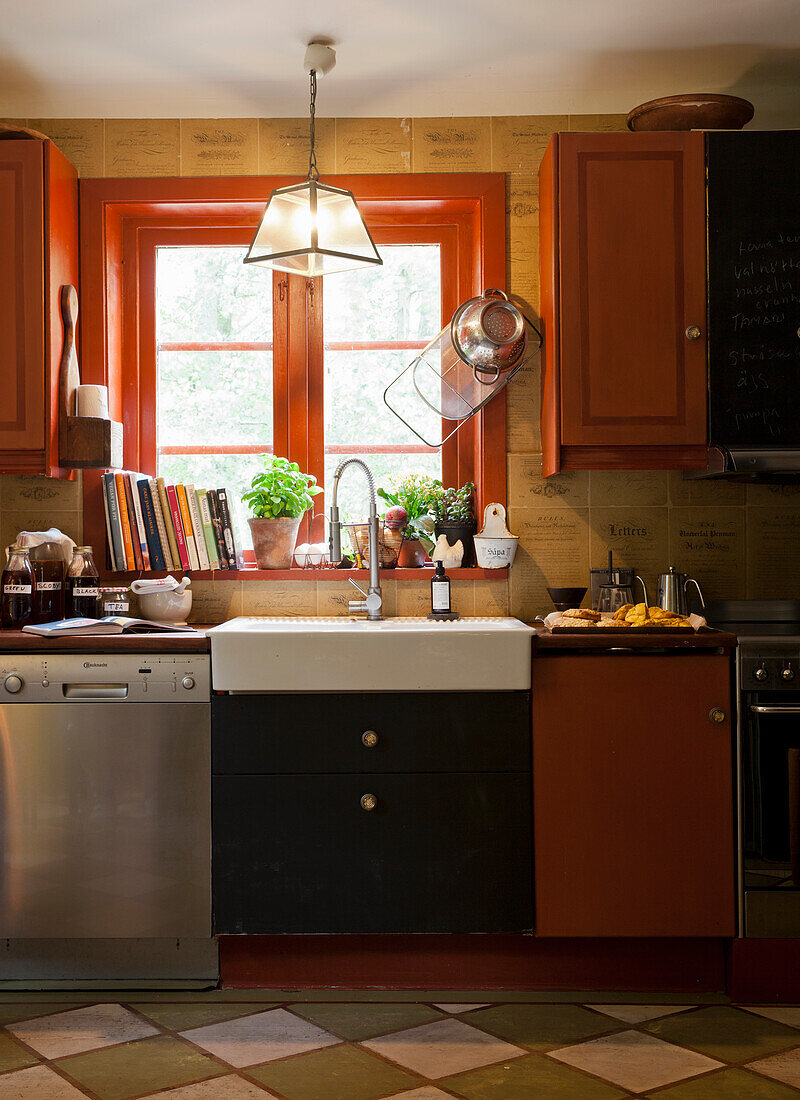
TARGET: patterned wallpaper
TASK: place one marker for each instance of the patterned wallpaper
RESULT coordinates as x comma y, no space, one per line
736,540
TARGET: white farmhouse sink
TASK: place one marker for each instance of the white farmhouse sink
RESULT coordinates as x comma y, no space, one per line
348,654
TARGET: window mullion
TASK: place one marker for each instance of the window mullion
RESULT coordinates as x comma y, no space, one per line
280,362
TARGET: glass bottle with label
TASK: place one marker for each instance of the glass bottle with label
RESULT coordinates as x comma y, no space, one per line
17,588
440,591
84,597
48,569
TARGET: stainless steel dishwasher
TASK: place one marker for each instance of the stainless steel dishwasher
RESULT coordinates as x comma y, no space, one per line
105,797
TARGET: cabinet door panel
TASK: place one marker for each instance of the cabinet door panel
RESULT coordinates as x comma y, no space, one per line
632,279
22,424
633,806
439,853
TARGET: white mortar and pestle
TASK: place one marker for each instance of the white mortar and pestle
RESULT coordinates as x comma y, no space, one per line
164,600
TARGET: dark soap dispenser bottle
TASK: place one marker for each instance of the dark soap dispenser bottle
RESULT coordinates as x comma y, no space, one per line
440,592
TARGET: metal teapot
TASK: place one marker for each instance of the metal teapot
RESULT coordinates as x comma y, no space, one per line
671,592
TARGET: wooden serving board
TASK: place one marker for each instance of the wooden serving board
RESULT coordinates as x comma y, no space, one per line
626,630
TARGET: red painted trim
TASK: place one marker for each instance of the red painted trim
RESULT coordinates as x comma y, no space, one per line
424,573
465,213
471,962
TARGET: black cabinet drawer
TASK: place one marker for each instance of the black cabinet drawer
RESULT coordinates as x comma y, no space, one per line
377,732
438,853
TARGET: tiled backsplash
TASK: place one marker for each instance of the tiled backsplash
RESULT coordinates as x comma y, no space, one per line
736,540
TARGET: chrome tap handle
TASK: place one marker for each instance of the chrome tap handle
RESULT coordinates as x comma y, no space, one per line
355,584
691,580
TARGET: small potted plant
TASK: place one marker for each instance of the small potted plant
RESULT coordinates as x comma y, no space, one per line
279,497
411,501
454,515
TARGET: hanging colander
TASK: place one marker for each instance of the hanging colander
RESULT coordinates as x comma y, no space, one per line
487,342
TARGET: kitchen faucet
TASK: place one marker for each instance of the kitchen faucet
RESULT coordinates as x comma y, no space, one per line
373,600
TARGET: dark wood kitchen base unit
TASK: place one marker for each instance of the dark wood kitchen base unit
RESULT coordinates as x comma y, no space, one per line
633,795
372,813
623,300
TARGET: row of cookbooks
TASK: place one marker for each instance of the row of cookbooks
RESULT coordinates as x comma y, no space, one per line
152,525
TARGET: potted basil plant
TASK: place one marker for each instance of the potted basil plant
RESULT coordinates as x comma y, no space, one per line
454,517
279,497
411,500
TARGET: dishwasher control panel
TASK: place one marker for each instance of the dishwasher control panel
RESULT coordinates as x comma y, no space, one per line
105,677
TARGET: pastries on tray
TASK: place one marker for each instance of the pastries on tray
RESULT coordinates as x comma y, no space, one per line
628,617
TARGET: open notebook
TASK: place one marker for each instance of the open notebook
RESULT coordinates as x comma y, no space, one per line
111,624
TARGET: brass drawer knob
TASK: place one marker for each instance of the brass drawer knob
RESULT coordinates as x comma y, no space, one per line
368,802
717,714
693,332
369,738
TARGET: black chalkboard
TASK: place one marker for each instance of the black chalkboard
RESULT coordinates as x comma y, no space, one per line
754,288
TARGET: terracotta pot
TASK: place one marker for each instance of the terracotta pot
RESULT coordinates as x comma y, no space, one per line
273,541
412,554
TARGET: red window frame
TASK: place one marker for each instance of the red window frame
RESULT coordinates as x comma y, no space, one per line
124,221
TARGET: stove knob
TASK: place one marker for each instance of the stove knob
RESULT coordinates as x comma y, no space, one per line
787,674
187,682
761,674
13,683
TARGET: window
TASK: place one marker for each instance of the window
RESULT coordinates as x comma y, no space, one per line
210,362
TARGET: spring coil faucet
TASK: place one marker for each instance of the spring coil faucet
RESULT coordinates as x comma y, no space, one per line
372,603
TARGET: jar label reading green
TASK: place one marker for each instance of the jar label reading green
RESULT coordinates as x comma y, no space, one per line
17,589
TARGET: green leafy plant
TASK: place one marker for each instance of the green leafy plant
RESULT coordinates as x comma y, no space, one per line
416,493
281,491
454,505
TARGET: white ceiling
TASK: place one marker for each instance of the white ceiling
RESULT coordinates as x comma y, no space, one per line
242,58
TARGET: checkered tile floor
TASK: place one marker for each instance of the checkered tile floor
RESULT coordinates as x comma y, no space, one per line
215,1047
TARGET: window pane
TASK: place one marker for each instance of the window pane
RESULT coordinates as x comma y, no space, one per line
400,301
231,472
352,498
207,293
208,397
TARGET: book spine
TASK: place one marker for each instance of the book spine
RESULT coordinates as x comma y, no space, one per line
127,537
151,530
168,524
175,512
116,523
140,527
227,527
137,549
216,523
160,524
188,530
197,527
112,560
208,529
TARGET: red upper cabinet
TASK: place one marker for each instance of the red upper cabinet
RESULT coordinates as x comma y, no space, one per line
38,254
623,272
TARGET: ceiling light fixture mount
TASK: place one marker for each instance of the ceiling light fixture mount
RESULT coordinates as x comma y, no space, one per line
312,228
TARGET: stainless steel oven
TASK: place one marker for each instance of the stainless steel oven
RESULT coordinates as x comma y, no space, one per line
768,761
770,791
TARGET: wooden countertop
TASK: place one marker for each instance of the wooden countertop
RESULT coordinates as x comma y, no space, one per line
545,642
17,641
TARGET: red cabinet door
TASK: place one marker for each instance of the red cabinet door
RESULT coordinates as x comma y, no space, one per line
22,295
633,796
632,257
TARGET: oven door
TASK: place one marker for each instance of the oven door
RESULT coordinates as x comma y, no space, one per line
771,813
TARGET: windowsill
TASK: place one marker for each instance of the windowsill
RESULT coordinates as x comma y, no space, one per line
423,573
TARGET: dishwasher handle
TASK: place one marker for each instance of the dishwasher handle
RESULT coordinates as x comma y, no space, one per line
775,710
96,692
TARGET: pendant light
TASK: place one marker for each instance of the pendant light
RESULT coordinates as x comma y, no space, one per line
311,228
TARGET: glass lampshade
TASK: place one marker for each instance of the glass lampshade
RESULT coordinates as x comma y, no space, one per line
312,229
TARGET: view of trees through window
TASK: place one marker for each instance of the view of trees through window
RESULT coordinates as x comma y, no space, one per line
215,379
